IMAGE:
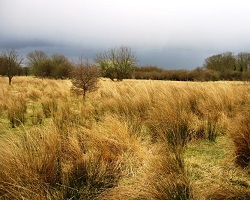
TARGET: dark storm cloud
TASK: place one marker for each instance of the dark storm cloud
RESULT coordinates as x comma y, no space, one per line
171,34
22,44
174,58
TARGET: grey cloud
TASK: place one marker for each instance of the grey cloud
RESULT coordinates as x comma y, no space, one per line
173,58
170,34
23,43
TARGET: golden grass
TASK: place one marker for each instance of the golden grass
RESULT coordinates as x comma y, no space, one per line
240,133
128,140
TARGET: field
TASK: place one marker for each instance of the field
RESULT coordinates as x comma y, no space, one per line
133,139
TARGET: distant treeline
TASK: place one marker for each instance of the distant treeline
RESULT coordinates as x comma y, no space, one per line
120,63
198,74
225,66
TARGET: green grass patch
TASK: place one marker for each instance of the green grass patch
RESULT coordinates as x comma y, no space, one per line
210,167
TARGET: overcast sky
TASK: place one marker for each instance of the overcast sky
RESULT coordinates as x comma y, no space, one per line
174,34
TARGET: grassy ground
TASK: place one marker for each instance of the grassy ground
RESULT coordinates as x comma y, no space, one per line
211,168
128,140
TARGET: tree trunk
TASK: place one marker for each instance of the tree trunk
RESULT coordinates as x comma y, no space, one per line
84,95
10,78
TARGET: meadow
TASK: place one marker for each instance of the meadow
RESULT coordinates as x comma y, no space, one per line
135,139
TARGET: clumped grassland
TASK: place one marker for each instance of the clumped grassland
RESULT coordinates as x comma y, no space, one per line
127,140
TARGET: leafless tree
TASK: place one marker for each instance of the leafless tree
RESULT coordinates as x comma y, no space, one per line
35,57
10,63
85,77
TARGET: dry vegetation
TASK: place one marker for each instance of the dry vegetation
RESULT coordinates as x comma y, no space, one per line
128,140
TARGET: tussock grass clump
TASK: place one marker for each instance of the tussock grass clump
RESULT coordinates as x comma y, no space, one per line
28,164
211,129
207,128
49,106
71,114
165,179
17,108
44,164
160,177
240,132
130,100
211,98
228,192
33,93
3,106
36,116
169,121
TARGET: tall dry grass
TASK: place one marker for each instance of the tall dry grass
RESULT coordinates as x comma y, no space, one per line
227,192
126,141
240,133
160,177
45,163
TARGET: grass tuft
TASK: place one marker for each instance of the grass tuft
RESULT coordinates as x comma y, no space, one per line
16,111
240,132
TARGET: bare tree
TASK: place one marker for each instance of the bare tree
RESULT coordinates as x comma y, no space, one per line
117,62
35,57
85,77
11,63
35,60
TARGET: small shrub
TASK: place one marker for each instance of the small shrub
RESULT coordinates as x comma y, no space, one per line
170,126
85,77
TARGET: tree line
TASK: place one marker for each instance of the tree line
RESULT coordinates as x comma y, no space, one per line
121,63
224,66
117,63
228,62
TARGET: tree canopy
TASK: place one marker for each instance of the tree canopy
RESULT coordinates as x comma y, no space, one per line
85,77
228,62
117,63
10,64
55,66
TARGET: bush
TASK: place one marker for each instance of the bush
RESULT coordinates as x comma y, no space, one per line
85,77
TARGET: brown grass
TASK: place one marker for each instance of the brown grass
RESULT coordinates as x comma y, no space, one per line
240,133
128,140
